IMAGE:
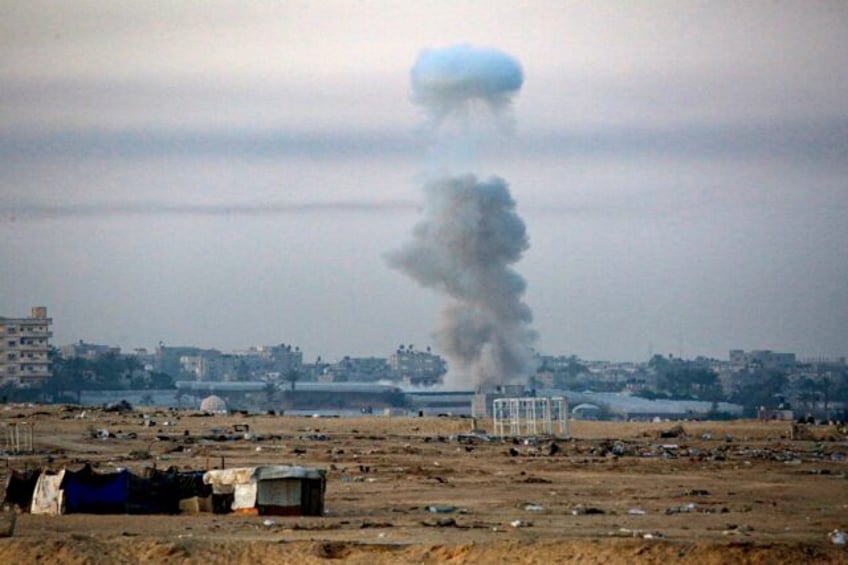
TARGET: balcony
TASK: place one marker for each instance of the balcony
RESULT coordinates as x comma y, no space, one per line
34,332
23,347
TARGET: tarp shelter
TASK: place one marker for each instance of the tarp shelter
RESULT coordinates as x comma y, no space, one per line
87,491
19,488
281,490
95,493
47,498
160,492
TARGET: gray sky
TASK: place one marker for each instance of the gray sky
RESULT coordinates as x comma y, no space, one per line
228,174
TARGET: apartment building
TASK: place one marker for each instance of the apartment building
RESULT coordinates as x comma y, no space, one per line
762,359
417,368
24,346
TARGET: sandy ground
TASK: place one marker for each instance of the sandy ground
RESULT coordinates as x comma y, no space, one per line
737,492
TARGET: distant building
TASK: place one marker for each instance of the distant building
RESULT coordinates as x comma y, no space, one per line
24,347
169,359
417,368
210,365
269,361
88,351
481,402
358,369
761,359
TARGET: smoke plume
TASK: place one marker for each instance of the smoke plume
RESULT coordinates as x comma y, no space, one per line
470,234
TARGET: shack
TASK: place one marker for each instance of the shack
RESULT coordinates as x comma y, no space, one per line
280,490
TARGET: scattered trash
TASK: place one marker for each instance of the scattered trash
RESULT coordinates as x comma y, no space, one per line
619,449
370,524
534,480
636,512
520,524
441,523
837,537
102,434
628,533
674,432
268,523
736,530
441,509
697,492
686,508
581,510
121,407
532,507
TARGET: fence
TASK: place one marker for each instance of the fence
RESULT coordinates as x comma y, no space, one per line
17,437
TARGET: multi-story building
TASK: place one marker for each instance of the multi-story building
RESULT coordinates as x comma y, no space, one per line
358,369
761,359
270,361
24,346
417,368
88,351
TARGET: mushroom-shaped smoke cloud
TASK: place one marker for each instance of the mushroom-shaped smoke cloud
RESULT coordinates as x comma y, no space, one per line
446,80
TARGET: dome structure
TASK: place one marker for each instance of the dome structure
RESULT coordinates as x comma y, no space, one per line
213,405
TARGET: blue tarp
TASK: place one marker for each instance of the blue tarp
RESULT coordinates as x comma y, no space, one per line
94,493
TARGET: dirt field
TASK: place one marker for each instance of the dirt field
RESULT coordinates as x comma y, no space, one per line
737,492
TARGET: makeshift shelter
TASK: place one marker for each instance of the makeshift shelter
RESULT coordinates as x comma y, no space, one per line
161,492
272,489
19,488
47,498
95,493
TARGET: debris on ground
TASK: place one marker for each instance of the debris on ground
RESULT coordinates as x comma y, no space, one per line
582,510
440,509
673,432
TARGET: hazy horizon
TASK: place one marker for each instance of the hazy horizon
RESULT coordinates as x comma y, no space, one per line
227,175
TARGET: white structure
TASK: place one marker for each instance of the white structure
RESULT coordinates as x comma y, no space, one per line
530,416
213,405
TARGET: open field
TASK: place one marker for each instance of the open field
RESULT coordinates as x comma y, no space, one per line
724,492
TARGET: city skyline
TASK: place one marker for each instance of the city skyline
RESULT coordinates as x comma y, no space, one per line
230,175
